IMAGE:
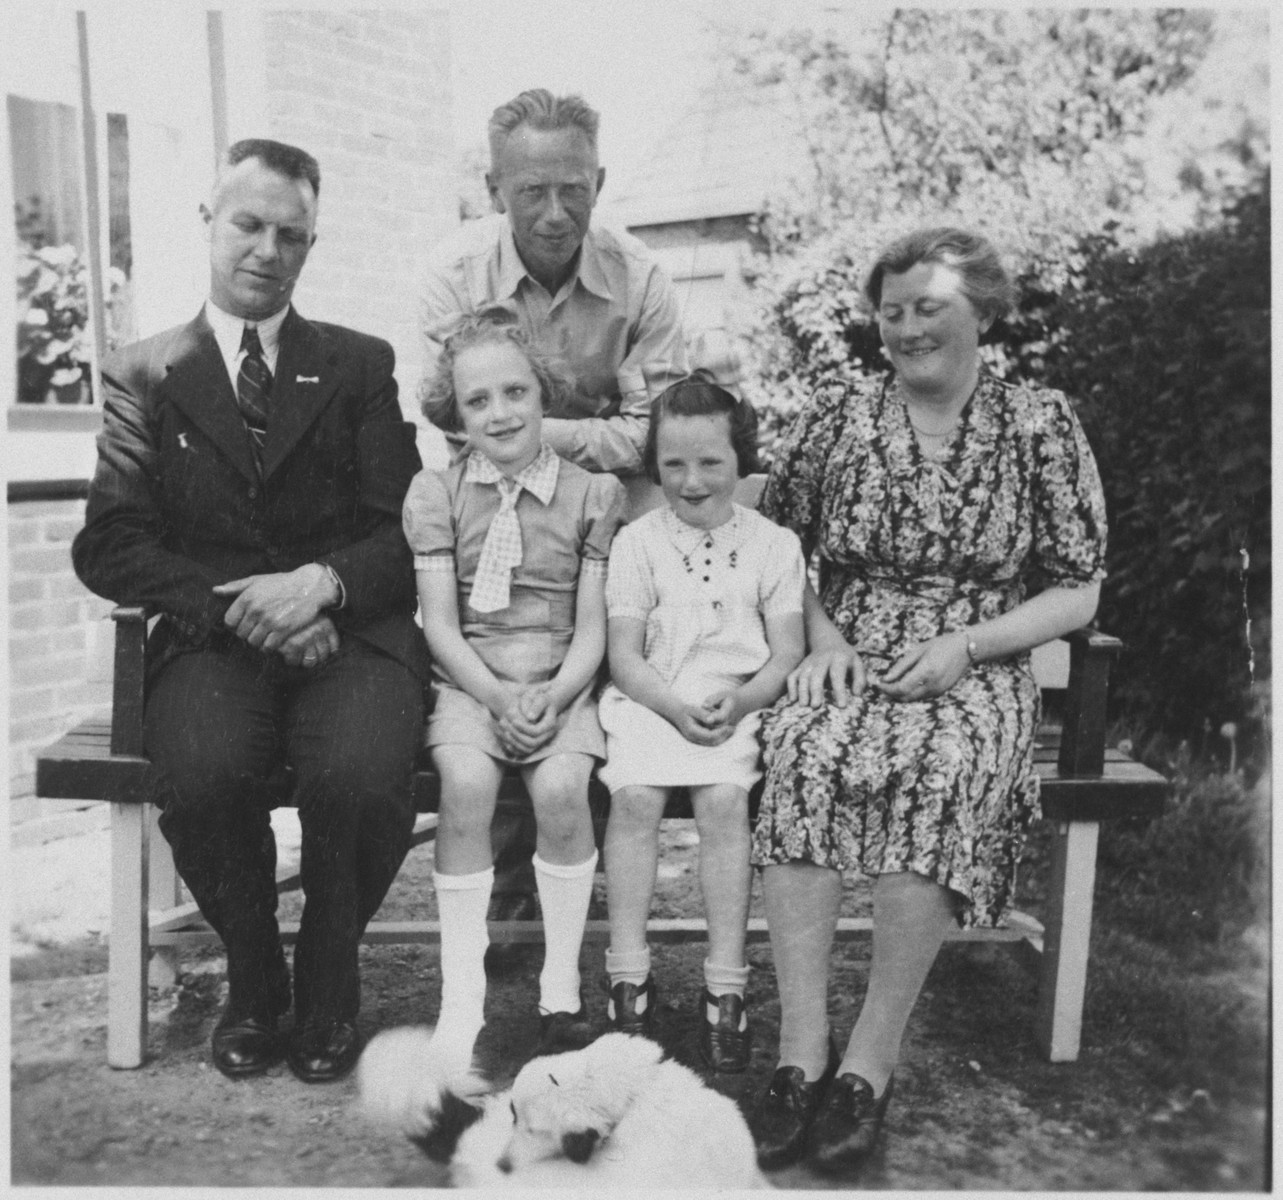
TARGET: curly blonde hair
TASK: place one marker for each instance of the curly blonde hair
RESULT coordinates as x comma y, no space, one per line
437,399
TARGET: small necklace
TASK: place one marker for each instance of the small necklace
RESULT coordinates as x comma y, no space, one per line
928,434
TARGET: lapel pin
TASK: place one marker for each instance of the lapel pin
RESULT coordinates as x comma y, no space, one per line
307,379
182,440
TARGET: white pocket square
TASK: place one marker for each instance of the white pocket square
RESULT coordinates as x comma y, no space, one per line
307,379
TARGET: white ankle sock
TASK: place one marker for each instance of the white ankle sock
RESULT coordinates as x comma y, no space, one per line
564,893
721,980
462,901
628,967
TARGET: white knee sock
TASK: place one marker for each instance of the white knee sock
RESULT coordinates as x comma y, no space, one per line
564,893
721,980
462,901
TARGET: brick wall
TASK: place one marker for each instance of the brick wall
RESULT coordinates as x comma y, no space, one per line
59,643
369,94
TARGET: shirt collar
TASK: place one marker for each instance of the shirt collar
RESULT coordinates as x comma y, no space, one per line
539,478
685,536
589,271
229,329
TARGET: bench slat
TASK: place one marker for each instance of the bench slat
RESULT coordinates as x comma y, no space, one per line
80,766
1020,927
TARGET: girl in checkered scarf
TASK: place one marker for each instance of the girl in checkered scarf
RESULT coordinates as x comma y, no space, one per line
510,549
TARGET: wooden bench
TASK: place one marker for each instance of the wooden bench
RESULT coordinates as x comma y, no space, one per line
1082,785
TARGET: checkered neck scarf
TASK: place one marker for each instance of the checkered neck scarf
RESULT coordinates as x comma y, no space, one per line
501,551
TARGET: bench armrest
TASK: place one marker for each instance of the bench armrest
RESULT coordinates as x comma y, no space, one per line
1082,741
129,673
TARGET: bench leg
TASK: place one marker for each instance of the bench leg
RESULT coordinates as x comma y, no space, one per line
164,892
127,951
1058,1025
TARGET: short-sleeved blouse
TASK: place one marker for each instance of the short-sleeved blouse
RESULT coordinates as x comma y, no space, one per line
705,597
445,518
911,547
704,594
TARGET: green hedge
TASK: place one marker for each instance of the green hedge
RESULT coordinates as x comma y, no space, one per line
1165,350
1168,349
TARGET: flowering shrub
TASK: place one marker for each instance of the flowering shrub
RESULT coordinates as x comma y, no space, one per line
53,320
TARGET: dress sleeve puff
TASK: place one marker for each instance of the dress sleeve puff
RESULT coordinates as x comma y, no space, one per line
784,577
428,520
1069,502
794,494
630,584
604,506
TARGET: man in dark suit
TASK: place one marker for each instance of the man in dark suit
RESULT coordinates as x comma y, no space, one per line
251,470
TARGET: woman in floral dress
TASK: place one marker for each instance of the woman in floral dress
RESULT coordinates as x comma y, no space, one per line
959,522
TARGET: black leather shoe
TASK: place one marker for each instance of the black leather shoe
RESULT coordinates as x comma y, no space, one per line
782,1119
322,1051
562,1031
503,957
847,1126
723,1045
624,998
245,1045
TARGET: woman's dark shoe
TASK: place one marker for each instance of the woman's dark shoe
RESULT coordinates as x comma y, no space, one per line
783,1116
562,1031
847,1126
723,1045
632,1007
322,1051
243,1046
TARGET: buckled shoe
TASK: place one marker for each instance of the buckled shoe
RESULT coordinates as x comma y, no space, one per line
723,1045
624,998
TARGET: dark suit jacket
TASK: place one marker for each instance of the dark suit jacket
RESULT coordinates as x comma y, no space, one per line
176,505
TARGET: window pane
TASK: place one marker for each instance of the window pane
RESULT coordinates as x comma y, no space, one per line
121,327
53,337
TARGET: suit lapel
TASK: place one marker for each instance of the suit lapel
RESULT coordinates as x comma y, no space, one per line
197,383
305,382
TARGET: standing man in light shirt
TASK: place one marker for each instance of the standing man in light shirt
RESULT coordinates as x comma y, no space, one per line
591,296
251,471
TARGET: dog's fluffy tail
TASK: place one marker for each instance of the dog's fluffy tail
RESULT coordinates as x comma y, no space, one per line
414,1085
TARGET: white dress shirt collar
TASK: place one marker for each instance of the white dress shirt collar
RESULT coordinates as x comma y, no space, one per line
228,331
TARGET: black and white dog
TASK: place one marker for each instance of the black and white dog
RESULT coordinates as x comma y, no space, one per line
615,1114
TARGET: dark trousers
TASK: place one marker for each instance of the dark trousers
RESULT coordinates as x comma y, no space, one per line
219,723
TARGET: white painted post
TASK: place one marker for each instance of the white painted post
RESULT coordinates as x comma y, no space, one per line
165,891
1058,1024
127,951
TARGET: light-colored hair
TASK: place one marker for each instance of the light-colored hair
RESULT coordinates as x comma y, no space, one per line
280,157
540,109
437,398
985,281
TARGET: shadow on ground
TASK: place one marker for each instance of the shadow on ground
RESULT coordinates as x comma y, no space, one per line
976,1107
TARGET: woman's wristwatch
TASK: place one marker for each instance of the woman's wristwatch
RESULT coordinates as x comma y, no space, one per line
973,653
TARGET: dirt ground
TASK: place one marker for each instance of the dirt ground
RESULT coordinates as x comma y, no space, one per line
976,1107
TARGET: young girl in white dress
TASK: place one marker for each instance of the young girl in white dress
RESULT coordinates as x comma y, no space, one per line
704,605
510,548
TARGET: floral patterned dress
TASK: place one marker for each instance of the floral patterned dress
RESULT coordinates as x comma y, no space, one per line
911,547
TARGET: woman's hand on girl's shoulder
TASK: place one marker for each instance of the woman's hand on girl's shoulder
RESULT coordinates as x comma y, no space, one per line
839,669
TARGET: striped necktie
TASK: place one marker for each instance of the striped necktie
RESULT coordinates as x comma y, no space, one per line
254,391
